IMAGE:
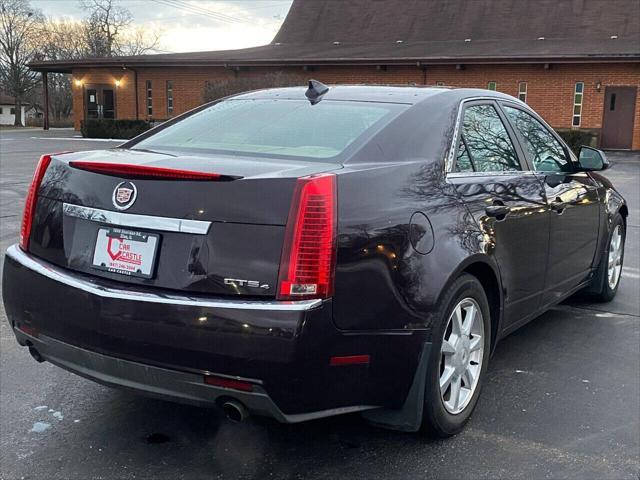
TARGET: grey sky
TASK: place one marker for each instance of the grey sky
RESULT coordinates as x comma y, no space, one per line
194,25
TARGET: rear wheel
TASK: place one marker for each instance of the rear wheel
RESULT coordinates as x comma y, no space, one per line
607,278
459,358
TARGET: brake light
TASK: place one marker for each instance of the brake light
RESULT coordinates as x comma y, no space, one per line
142,171
30,202
308,257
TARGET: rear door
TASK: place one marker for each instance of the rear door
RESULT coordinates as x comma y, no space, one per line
507,202
573,203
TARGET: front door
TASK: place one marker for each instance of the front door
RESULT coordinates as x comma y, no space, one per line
99,102
572,201
617,121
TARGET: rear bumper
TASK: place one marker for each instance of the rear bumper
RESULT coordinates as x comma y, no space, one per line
161,343
163,383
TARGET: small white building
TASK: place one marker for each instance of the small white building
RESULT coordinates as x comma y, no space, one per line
8,110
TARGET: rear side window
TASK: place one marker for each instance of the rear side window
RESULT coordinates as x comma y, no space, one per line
488,146
545,152
278,128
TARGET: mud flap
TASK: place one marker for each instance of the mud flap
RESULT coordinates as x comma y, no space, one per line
409,417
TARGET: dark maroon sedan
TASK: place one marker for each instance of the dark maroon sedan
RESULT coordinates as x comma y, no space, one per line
301,254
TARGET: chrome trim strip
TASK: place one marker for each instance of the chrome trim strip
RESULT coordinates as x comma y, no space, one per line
501,173
59,275
164,224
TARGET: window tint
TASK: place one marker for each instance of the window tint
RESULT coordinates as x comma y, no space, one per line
463,161
546,153
488,145
265,127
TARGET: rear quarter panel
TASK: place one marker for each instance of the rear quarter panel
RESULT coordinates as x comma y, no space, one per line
382,283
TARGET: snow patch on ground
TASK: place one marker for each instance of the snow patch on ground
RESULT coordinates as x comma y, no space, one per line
39,427
58,415
41,407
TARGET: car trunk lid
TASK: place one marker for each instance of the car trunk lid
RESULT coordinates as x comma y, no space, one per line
219,234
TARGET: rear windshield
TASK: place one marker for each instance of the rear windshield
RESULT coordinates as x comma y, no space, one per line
270,127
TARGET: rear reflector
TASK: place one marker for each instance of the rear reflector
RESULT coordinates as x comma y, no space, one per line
29,330
309,252
142,171
349,360
30,202
228,383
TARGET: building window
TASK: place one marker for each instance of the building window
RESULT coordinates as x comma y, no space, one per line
439,84
169,98
492,86
577,104
149,98
12,111
522,92
1,110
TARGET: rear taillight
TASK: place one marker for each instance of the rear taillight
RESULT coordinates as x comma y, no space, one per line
30,203
148,172
309,252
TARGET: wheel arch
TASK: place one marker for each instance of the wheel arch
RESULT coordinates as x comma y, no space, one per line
483,268
624,211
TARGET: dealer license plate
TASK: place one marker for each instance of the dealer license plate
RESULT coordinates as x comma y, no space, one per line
126,252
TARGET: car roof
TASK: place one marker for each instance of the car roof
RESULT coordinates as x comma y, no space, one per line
407,94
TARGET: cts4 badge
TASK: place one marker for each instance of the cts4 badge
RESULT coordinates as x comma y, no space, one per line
236,282
124,195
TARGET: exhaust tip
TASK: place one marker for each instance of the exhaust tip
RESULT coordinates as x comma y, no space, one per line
35,354
235,411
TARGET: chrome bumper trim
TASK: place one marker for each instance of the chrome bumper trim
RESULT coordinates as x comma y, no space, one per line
164,224
64,276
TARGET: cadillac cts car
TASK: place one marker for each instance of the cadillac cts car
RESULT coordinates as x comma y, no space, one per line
305,253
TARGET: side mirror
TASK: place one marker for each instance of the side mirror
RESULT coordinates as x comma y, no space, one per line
592,159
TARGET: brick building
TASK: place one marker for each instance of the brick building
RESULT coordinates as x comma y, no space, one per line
577,62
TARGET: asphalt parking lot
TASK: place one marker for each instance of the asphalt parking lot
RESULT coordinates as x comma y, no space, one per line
562,397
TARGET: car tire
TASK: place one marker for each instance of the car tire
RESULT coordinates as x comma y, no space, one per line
445,416
603,288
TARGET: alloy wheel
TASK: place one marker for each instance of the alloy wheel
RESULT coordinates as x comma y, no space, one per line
461,355
614,266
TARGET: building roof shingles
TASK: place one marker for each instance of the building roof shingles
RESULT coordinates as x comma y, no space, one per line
427,31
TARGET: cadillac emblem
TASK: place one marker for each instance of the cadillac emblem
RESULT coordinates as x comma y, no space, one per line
124,195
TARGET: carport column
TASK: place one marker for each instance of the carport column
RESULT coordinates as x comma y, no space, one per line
45,92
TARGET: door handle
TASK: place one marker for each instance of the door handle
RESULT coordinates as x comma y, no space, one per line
558,206
497,211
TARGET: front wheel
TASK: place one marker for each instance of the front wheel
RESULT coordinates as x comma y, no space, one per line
459,358
607,278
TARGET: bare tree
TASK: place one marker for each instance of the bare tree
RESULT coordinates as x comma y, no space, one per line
20,26
60,40
105,24
138,41
108,31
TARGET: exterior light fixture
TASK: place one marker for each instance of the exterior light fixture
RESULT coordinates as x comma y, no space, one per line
598,86
118,83
77,82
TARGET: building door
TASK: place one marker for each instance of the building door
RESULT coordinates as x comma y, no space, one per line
617,121
100,102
